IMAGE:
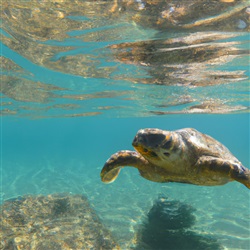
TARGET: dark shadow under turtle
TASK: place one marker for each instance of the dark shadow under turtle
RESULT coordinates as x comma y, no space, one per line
168,226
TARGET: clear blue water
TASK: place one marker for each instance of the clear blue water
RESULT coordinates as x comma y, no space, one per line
57,139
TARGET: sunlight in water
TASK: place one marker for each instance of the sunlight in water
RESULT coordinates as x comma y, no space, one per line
112,68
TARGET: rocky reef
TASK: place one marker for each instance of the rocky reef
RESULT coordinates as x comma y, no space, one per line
169,225
57,221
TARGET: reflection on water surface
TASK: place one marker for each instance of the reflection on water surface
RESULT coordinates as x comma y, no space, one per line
144,57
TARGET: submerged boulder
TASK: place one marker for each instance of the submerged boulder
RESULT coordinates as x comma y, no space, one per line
57,221
169,226
171,215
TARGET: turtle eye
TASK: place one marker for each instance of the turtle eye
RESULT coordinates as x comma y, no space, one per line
167,144
166,154
153,154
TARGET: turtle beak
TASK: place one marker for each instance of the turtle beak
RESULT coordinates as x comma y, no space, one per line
140,144
135,142
137,146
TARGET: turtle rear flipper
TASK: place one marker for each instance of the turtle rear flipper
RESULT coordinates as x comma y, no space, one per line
233,170
242,175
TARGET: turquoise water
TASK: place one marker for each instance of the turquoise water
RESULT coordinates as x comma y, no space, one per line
62,120
48,156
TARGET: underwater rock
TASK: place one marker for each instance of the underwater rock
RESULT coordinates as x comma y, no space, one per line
171,215
57,221
168,226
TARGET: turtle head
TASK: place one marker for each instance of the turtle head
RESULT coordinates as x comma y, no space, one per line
156,145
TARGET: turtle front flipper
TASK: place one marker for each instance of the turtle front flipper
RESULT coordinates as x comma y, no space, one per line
113,165
224,169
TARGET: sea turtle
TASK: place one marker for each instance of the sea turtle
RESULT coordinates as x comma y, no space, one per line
184,155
